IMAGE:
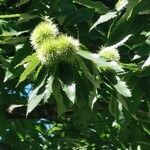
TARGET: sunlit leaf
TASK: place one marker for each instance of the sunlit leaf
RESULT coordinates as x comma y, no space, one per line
34,98
147,62
122,88
70,91
121,4
48,88
104,18
31,66
27,59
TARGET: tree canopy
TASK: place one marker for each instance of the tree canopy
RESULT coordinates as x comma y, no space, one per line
74,74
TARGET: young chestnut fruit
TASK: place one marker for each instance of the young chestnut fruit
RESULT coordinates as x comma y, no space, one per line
43,31
110,54
61,49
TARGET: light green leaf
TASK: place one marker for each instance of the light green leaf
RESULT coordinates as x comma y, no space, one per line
34,98
146,63
48,88
27,59
30,67
121,4
70,91
97,6
10,16
122,88
104,18
100,62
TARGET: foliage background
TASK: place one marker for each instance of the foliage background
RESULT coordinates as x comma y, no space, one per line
115,122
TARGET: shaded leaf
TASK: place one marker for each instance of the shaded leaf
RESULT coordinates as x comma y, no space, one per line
59,97
87,73
98,6
22,2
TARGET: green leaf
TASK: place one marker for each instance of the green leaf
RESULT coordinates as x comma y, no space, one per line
59,97
123,102
31,66
22,2
10,16
130,7
121,4
26,17
97,6
146,63
70,91
4,62
113,108
100,62
121,42
48,88
122,88
8,75
93,98
87,73
104,18
27,59
34,98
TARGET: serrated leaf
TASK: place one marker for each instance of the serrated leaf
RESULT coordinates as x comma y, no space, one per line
122,88
98,6
34,98
100,62
27,59
146,63
48,88
59,97
30,67
121,4
104,18
121,42
70,91
87,73
123,102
